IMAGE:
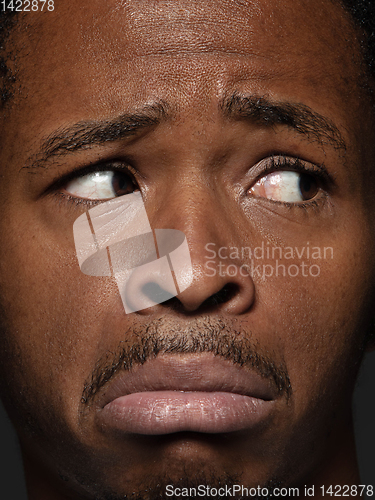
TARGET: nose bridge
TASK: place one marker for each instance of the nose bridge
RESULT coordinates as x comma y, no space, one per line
198,209
191,196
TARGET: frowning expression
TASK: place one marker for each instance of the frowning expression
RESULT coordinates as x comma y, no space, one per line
242,130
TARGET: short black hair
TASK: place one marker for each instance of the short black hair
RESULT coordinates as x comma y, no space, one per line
361,11
363,14
7,21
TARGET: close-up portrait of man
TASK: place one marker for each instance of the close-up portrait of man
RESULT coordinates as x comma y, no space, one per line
187,273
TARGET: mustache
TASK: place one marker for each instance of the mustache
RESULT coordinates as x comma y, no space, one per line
204,335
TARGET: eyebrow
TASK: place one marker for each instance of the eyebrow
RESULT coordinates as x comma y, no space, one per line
85,134
254,109
299,117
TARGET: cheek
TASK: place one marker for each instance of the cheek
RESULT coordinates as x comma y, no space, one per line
319,323
53,318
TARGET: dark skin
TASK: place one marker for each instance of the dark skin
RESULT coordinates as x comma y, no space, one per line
196,169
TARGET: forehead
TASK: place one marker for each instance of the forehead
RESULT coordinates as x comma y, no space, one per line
90,55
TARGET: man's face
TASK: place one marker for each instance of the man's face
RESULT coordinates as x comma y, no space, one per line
249,130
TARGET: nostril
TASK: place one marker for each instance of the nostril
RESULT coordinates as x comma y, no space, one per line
222,296
156,293
234,295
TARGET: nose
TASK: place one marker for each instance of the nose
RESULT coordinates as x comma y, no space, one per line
219,283
225,289
221,287
181,280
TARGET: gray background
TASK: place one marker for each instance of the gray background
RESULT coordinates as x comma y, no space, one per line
13,487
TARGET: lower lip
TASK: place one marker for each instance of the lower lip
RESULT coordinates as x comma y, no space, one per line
166,412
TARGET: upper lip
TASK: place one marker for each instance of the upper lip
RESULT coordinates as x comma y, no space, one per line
202,372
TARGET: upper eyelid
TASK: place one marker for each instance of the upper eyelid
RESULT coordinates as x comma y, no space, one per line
276,163
112,166
283,162
82,171
272,163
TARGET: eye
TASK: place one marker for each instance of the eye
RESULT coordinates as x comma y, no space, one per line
286,186
102,185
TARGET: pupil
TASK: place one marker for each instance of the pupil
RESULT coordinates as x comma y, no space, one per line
308,186
122,184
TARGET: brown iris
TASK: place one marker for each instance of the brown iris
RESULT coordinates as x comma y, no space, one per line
308,186
123,184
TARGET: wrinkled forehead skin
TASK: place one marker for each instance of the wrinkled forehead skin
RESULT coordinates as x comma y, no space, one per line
97,58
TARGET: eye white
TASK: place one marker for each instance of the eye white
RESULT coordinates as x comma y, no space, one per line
94,186
284,186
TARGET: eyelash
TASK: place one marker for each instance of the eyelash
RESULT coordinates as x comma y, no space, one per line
283,162
272,164
75,202
78,172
